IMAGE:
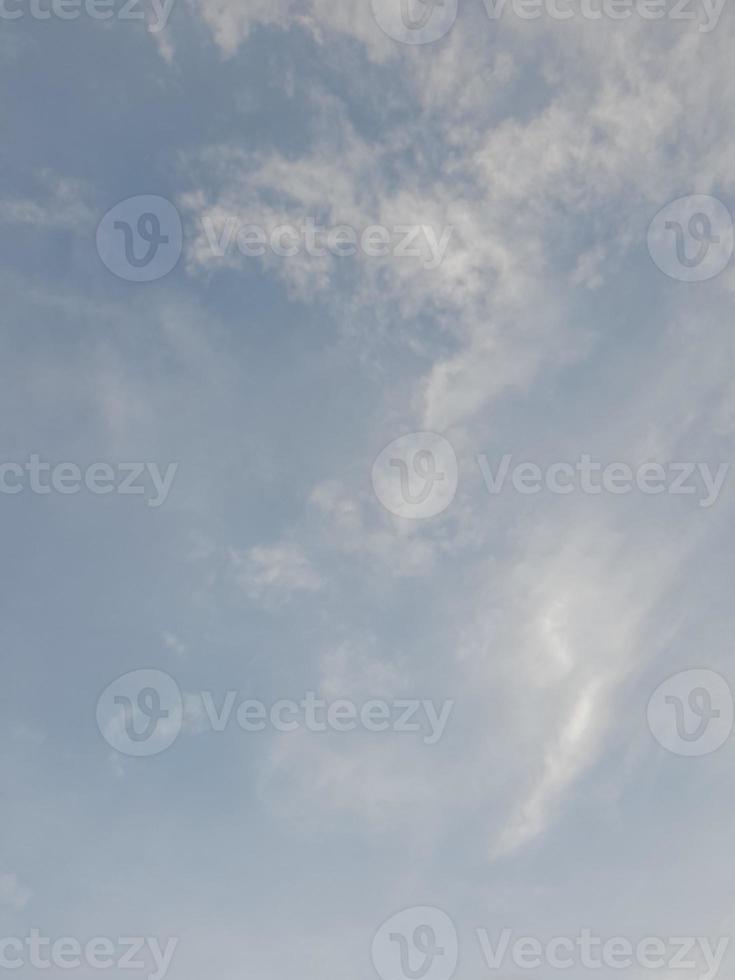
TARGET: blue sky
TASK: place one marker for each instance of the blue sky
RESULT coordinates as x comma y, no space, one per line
547,331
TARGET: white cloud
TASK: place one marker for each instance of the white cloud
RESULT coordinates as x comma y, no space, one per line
63,205
13,893
174,643
272,575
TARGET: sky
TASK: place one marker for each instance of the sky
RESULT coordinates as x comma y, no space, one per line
377,355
